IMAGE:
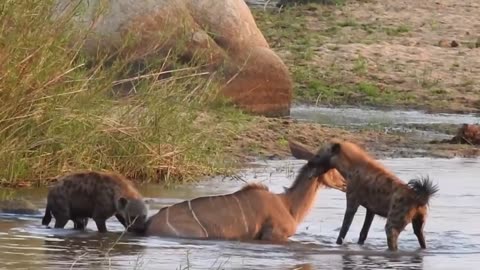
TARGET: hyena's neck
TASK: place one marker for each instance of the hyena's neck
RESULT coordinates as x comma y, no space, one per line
350,173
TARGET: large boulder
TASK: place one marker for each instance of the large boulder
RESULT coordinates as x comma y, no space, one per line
223,33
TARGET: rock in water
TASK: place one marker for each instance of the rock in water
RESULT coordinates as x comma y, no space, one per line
469,134
18,206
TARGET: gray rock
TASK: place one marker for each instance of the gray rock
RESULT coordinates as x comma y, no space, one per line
18,206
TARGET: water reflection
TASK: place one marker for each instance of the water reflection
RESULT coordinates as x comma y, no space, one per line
388,262
92,250
304,266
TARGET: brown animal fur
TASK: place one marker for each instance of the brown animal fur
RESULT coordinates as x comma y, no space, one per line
377,189
98,195
469,134
252,213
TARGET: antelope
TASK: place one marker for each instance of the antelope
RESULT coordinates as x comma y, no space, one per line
379,190
252,213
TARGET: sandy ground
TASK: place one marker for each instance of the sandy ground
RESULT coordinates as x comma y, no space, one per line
417,61
398,45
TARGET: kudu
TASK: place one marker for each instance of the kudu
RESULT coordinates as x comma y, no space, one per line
379,190
252,213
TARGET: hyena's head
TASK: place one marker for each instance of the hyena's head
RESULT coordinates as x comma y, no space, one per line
134,212
328,177
342,156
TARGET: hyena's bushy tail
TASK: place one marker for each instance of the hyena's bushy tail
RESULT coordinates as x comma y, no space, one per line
48,216
424,188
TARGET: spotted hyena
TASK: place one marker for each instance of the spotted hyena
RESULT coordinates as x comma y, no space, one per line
379,190
97,195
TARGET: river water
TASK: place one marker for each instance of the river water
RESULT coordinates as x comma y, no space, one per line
364,116
261,3
452,230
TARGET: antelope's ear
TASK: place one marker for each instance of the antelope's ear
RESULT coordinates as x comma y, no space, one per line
336,148
299,151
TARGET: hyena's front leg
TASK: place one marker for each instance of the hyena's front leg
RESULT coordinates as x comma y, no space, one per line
100,217
366,227
121,220
352,207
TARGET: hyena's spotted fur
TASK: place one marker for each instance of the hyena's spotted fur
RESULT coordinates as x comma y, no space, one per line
97,195
377,189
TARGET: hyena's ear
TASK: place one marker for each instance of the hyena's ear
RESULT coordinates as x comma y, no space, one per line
122,203
336,148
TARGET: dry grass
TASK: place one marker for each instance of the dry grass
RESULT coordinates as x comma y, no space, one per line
58,112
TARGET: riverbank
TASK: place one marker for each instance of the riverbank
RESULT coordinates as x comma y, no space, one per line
267,138
380,53
167,134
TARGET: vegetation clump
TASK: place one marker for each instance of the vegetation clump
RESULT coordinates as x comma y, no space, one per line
59,110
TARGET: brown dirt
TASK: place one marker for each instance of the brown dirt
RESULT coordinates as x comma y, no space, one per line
414,62
427,53
397,45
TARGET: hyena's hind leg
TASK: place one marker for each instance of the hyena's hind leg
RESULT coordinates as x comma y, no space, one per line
392,237
61,220
417,223
396,223
62,216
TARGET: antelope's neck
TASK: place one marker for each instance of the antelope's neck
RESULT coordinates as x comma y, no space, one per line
300,198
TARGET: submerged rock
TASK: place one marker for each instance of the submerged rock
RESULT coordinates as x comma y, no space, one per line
222,34
18,206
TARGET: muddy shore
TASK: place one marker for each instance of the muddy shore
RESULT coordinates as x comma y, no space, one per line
268,138
383,54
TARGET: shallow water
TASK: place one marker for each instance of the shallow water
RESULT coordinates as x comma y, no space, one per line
452,231
437,126
362,116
